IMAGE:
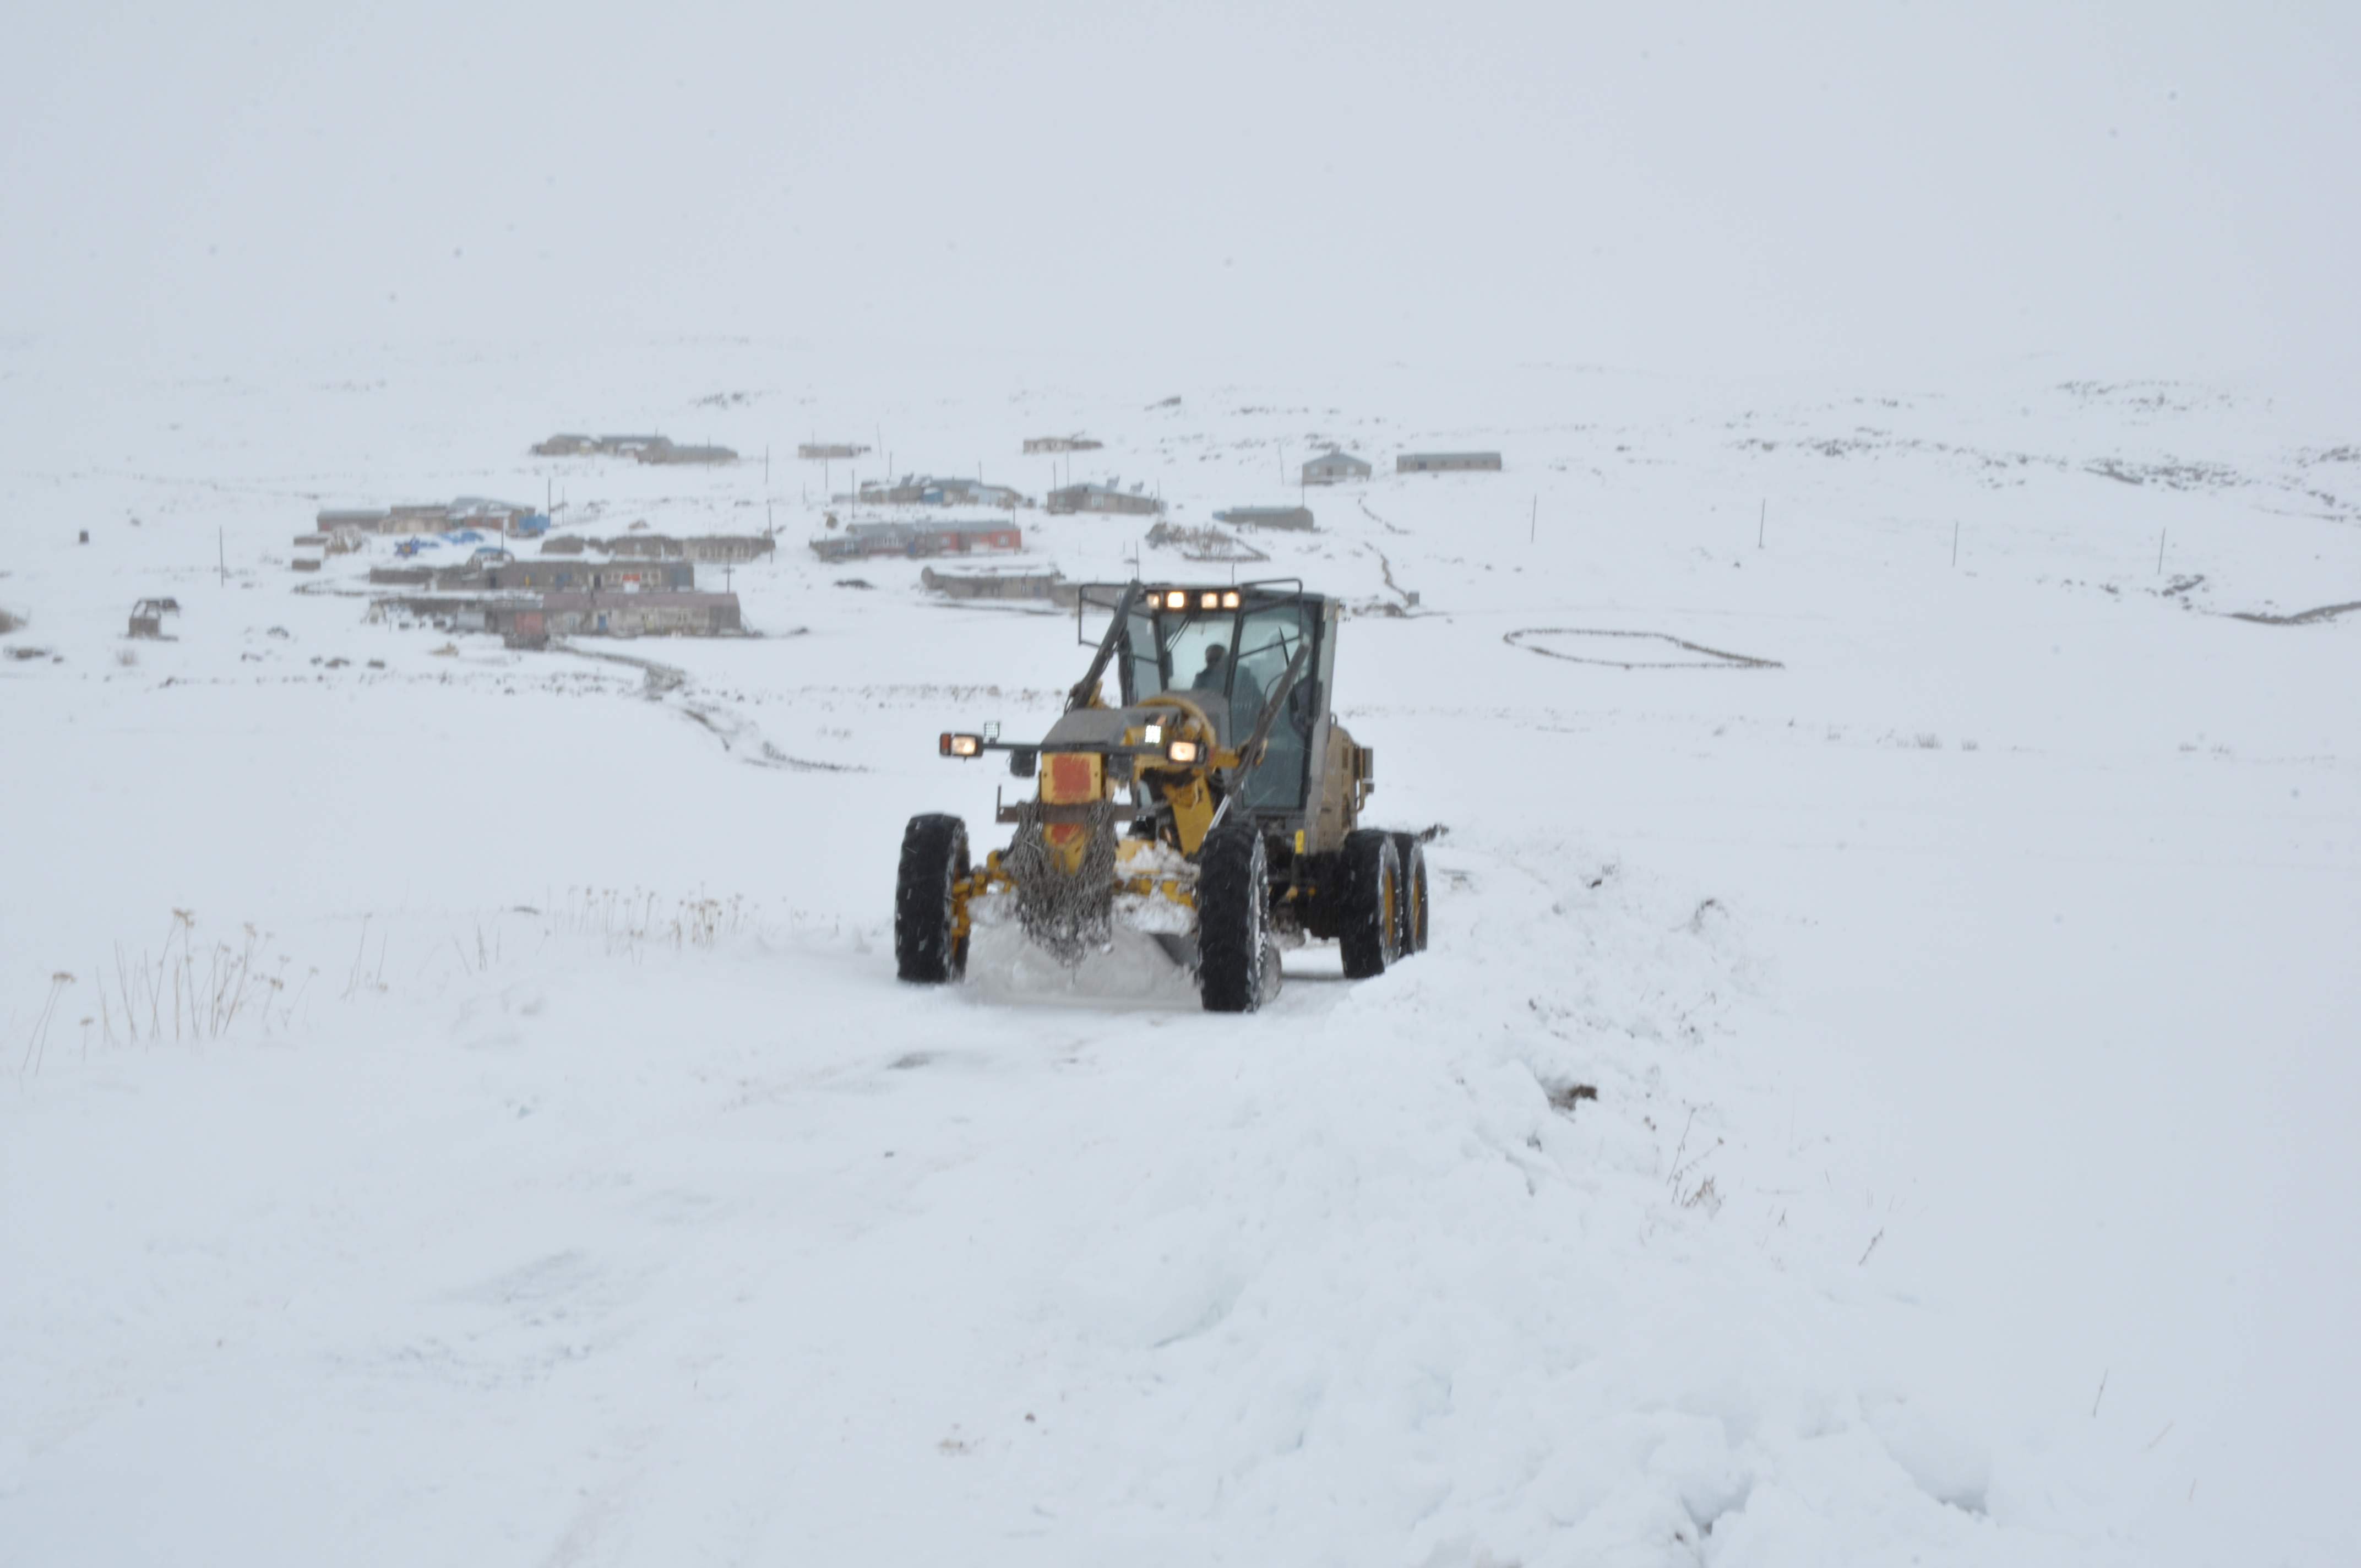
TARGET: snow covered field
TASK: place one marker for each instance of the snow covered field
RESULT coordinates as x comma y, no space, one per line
1880,1090
1966,998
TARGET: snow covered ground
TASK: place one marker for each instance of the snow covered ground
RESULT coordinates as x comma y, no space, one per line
1879,1092
1966,992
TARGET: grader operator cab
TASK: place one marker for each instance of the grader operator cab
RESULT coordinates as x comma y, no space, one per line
1216,806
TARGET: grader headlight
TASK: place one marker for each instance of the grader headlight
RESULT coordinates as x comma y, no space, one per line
1153,735
1177,599
1183,752
1230,599
961,745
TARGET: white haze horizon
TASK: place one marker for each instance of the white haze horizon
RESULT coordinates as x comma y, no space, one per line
1872,191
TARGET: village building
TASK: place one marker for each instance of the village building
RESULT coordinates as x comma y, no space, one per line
622,576
825,451
570,445
433,517
914,540
529,619
926,490
1445,462
508,574
1061,444
1051,585
1104,499
356,520
1267,517
626,615
735,549
670,453
1334,467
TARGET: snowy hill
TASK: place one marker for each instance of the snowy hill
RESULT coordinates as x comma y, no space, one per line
1957,980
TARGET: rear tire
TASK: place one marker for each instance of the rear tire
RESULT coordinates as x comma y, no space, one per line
928,947
1372,917
1232,918
1410,859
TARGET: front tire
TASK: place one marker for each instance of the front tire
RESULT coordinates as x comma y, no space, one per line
1232,918
929,946
1371,927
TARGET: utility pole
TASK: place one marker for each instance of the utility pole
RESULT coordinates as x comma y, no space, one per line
1955,542
221,543
1533,528
1762,521
2159,551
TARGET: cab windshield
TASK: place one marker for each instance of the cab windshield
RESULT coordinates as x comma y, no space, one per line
1229,663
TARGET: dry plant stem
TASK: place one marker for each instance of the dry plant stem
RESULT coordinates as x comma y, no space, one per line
245,980
360,957
36,1043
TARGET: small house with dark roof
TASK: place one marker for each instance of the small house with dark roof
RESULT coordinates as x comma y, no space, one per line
1334,467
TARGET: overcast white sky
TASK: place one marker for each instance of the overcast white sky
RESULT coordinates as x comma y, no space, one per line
1821,186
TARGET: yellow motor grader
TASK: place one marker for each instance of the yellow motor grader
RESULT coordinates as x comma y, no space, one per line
1216,806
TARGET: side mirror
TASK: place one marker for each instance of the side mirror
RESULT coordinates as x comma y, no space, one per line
1023,764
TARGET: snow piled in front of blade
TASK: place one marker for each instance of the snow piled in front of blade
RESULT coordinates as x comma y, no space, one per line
1128,969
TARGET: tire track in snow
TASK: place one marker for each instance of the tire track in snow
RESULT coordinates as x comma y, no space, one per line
739,737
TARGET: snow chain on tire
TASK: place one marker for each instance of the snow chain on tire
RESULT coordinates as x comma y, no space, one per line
1064,915
1409,861
927,947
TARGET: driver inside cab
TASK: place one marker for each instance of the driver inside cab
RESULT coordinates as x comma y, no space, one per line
1245,698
